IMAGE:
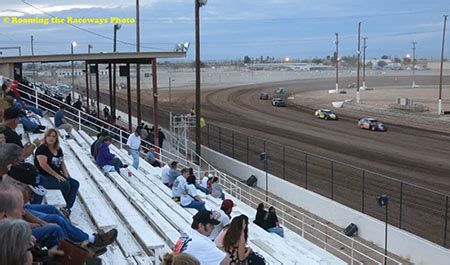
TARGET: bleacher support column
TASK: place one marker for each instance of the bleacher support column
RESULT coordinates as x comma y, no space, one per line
155,104
97,84
130,124
87,74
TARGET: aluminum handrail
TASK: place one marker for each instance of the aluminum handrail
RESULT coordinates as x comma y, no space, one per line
224,177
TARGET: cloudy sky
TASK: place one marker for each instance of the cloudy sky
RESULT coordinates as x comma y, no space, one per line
231,29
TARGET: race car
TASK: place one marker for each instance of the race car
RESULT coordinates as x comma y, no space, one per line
326,114
280,90
371,124
278,102
264,96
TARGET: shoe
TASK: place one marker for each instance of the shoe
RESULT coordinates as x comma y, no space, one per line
104,239
37,130
68,137
41,127
65,211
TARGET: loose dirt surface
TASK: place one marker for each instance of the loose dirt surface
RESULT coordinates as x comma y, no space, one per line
415,148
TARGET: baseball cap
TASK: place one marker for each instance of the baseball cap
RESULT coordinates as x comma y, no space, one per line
205,217
227,204
11,113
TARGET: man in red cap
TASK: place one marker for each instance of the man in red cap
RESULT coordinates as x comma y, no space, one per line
225,217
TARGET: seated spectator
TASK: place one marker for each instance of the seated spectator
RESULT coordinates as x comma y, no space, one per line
61,122
205,180
179,259
107,161
49,160
15,242
216,189
97,142
39,215
196,242
198,185
260,216
179,185
169,173
151,157
225,217
233,239
272,224
190,198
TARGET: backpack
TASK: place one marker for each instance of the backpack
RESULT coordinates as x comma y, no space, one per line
251,181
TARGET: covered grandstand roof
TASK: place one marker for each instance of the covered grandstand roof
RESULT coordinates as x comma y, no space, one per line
117,57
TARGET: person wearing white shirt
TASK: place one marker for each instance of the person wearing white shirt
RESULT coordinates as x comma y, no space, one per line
166,173
179,185
196,242
190,198
224,219
133,144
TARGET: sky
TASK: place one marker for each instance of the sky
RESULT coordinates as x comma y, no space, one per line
231,29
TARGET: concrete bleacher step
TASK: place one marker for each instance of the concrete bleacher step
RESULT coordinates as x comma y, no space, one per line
134,220
287,252
102,213
169,233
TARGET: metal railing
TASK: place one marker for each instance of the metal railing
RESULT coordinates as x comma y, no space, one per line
416,209
333,240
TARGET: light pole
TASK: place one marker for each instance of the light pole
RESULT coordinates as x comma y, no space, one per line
359,57
263,157
414,64
170,89
73,45
383,201
442,67
198,4
337,61
138,66
113,107
364,61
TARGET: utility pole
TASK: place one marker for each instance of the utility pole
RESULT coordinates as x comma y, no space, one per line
337,61
113,107
364,61
442,67
138,66
359,58
414,64
90,77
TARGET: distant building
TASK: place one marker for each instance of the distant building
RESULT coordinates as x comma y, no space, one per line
437,65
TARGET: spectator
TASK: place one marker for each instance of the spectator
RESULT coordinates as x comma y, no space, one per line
69,99
106,113
10,122
15,242
205,180
168,172
198,185
225,217
216,189
161,138
11,206
179,185
78,104
107,161
233,239
133,145
151,158
190,198
97,143
260,216
49,160
273,226
196,242
61,122
43,215
179,259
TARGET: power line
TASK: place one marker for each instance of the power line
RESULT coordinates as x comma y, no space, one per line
88,31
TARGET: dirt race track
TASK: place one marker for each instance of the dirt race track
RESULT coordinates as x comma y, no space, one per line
414,153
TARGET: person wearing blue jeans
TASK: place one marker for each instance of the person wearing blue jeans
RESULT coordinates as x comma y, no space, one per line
272,223
133,145
68,188
50,214
190,198
277,230
48,235
49,160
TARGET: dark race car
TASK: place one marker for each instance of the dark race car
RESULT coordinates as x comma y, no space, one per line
371,124
264,96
